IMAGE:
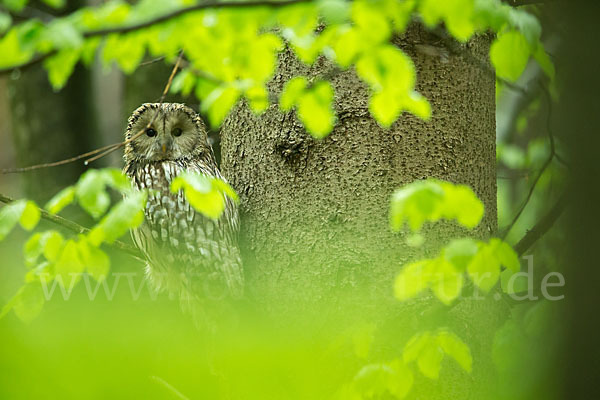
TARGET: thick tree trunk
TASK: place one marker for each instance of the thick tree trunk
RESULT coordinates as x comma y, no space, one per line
315,233
315,212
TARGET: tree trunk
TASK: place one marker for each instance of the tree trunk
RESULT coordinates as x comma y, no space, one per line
315,212
49,126
314,229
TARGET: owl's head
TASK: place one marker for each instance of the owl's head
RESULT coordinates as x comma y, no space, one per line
177,132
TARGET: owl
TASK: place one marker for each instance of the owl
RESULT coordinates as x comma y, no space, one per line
188,254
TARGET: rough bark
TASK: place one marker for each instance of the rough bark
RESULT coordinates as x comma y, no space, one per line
315,234
316,211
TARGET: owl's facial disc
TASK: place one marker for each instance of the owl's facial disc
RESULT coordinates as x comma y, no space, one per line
172,135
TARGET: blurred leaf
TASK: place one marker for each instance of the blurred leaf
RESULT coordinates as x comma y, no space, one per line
55,3
23,211
430,360
69,265
127,214
412,279
205,193
456,14
315,109
505,254
430,200
60,200
510,54
459,252
184,82
5,22
448,282
60,67
293,89
456,348
96,261
91,193
484,269
334,11
127,50
30,216
28,302
218,104
376,380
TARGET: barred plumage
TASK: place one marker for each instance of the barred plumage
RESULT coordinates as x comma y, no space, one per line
188,254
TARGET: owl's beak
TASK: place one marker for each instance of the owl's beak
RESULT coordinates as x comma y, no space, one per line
166,145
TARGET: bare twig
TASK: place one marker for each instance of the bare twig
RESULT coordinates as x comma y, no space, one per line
78,229
170,387
546,164
542,226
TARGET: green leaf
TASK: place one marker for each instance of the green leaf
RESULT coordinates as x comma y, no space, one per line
55,3
430,360
385,107
205,193
484,268
448,281
91,193
30,216
416,203
96,261
28,302
412,280
334,11
510,54
376,380
184,82
60,66
293,89
415,346
218,104
315,109
15,5
462,204
456,14
456,348
62,199
127,214
372,22
69,264
9,216
49,244
127,50
25,212
505,254
460,251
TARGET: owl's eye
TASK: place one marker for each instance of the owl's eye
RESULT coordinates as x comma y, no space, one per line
177,132
150,132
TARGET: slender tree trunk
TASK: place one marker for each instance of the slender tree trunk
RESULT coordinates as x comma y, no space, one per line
48,126
315,233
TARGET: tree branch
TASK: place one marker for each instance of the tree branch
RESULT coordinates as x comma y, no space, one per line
543,225
78,229
210,4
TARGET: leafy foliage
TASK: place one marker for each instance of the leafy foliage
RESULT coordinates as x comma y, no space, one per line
428,349
205,193
232,51
432,200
